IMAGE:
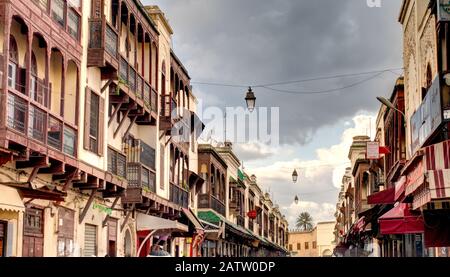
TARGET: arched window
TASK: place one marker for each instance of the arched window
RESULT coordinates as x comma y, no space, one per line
13,62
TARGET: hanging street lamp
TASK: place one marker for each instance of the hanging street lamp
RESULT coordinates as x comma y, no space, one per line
250,99
294,176
296,200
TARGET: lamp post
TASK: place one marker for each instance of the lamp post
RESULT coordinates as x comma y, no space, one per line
389,105
250,99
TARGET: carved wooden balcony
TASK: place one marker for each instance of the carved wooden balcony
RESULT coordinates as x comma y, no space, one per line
103,47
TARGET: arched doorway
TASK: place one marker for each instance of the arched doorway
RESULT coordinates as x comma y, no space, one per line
128,244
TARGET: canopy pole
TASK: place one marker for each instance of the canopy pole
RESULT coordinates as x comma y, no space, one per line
144,241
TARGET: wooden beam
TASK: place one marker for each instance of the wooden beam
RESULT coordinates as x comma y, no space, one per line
122,121
127,217
69,179
55,168
105,221
129,127
114,114
108,83
33,162
88,205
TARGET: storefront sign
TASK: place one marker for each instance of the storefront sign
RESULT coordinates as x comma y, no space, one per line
102,209
444,10
373,150
428,117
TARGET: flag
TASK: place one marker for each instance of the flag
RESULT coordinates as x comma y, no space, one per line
385,150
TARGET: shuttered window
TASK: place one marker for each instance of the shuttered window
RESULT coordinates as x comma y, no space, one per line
94,122
90,240
66,223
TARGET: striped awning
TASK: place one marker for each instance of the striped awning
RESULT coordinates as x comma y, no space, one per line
439,183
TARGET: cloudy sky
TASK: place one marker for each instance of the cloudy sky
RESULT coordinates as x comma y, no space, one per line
256,42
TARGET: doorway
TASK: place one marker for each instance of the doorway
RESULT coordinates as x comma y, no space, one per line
33,233
3,228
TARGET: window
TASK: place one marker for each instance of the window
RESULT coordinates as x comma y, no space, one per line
57,10
93,122
13,62
314,245
290,247
299,246
33,78
69,141
93,130
117,163
73,24
306,245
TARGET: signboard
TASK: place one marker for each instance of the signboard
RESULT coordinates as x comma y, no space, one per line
373,150
428,117
444,10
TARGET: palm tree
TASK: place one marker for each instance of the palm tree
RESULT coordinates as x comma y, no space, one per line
304,222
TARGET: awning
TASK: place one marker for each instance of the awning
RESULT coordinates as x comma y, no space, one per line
10,200
383,197
151,223
439,183
400,187
401,220
194,220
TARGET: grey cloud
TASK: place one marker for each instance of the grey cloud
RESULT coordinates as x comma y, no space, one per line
265,41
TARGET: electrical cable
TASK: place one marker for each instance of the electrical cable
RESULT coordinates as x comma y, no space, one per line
270,85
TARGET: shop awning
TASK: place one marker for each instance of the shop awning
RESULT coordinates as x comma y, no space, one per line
151,223
383,197
194,220
10,200
401,220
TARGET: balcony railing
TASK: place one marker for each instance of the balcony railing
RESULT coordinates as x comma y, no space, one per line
141,177
179,196
117,163
138,151
206,201
154,100
111,41
38,124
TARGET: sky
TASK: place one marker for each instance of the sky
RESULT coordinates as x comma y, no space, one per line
257,42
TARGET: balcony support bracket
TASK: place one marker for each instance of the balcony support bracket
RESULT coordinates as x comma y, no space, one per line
105,221
123,120
88,205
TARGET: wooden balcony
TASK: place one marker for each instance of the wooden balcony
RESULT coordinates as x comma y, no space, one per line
168,113
179,196
206,201
103,47
133,97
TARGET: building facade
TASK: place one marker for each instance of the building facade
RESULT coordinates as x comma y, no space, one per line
319,242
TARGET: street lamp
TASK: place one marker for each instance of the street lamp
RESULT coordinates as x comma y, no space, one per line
294,176
250,99
296,200
389,104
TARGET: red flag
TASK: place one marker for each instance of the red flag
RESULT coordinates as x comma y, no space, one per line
385,150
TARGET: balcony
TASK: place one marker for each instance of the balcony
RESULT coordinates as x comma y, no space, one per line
34,122
117,163
103,46
206,201
179,196
168,112
141,177
133,95
241,221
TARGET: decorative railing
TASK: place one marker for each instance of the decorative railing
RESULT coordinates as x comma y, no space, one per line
111,41
141,177
154,100
117,163
179,196
217,205
37,123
